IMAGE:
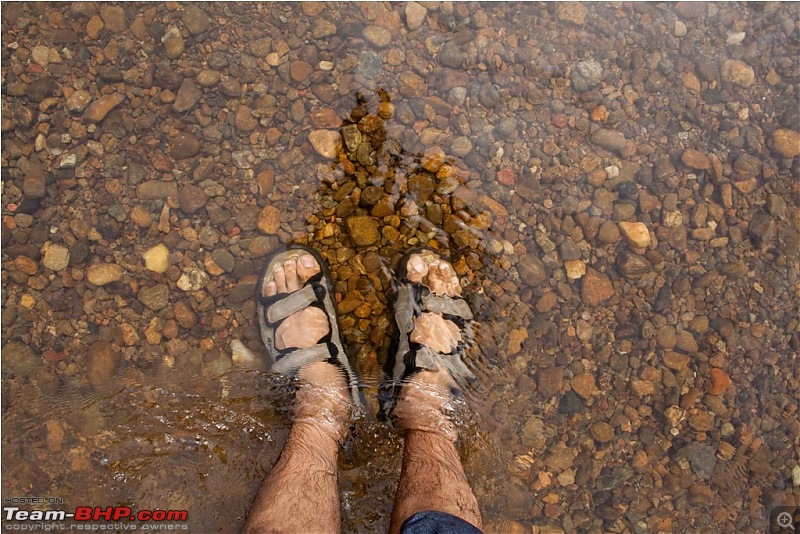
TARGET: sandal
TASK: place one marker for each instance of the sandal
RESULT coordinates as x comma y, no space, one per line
273,310
415,300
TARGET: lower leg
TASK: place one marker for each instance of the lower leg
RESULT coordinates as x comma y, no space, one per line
300,494
432,477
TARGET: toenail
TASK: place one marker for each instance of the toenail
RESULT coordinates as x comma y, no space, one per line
278,269
307,261
417,264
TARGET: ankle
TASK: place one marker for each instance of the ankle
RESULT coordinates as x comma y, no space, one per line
425,404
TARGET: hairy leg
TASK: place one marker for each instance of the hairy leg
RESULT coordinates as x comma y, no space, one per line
300,495
432,477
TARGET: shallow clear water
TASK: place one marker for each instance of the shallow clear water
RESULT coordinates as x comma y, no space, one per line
589,414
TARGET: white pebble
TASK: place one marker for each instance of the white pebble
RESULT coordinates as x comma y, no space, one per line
680,29
735,38
240,353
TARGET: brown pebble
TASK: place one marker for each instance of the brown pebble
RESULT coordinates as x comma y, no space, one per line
720,381
584,385
596,287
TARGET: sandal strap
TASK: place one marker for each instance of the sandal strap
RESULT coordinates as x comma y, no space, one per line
447,306
297,358
294,302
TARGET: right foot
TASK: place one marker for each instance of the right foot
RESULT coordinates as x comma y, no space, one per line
424,399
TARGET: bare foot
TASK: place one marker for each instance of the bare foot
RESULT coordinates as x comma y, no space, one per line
322,400
425,397
306,327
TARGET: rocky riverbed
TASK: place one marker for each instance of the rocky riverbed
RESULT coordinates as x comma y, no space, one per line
617,184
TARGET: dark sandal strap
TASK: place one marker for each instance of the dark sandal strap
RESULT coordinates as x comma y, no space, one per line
281,308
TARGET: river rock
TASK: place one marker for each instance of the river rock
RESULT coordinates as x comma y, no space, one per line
156,189
596,288
185,146
695,159
325,142
415,15
191,199
584,385
77,101
531,270
156,258
56,258
380,37
154,297
737,72
104,273
101,107
269,220
363,230
786,142
636,233
195,19
113,18
188,95
609,139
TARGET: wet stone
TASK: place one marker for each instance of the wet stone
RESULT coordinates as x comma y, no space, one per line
531,270
602,432
155,297
695,159
786,142
185,146
363,230
191,199
701,457
596,288
56,258
113,18
378,36
104,273
101,107
609,139
156,189
737,72
370,64
188,95
223,259
195,20
269,220
550,381
300,70
571,403
415,15
762,229
451,56
20,359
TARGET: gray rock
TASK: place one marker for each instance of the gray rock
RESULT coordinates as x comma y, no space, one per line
188,95
609,139
224,259
701,458
591,71
762,229
451,56
195,19
488,95
155,297
531,270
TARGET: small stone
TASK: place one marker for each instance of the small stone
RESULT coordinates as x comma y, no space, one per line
56,258
101,107
738,72
104,273
573,12
695,159
666,337
244,120
608,233
687,343
701,458
156,189
433,159
596,288
691,82
156,258
762,229
266,181
786,142
103,361
363,230
380,37
676,361
300,70
561,456
546,302
185,146
174,46
269,220
633,265
94,27
609,139
326,143
506,176
702,421
195,19
224,259
415,15
602,432
680,29
584,385
128,335
550,381
113,18
671,219
206,78
720,381
77,101
184,315
451,56
188,95
531,270
575,269
155,297
636,233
